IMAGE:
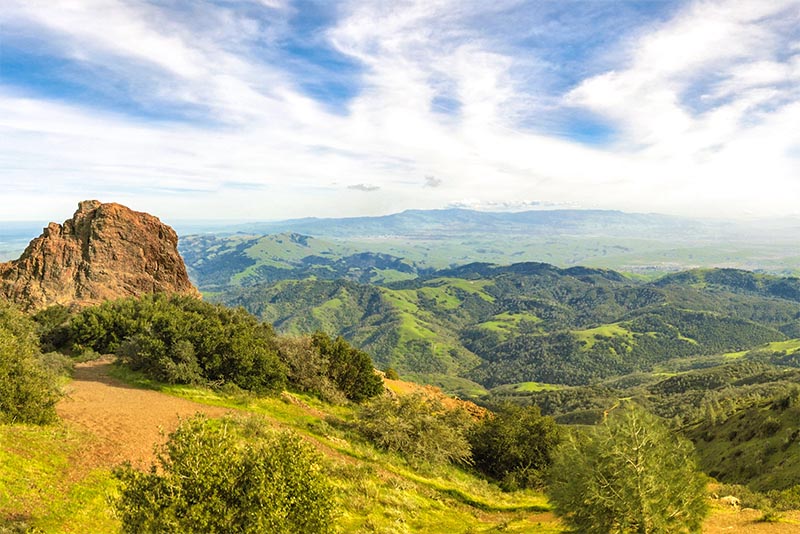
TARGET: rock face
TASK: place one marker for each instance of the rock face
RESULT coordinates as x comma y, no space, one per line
105,251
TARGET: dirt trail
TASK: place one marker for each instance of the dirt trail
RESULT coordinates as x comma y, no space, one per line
126,422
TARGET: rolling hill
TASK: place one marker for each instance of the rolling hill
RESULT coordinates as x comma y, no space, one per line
497,325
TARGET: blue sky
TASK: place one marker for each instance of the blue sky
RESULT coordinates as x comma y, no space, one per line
271,109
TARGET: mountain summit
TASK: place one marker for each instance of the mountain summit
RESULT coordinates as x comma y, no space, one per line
104,251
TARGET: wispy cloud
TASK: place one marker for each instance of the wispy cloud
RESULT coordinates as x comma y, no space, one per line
367,188
253,109
432,181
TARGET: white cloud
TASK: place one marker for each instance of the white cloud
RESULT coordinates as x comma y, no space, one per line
727,148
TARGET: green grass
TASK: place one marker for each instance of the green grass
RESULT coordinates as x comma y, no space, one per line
786,346
380,492
536,386
508,323
41,489
590,336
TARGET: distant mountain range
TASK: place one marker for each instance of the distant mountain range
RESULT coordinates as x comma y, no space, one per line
414,240
631,242
445,223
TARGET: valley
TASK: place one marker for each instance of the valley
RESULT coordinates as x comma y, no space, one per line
706,348
290,327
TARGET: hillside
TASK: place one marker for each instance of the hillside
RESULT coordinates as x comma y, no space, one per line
534,322
244,260
60,477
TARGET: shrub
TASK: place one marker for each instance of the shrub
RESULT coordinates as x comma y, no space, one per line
181,339
222,477
52,323
307,368
349,368
391,374
631,475
418,427
28,390
515,446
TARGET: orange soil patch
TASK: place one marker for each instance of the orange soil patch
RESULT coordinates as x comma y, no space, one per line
400,387
126,422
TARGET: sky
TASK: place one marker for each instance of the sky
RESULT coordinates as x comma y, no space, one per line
276,109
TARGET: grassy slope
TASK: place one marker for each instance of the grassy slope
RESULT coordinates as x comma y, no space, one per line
41,488
378,492
759,446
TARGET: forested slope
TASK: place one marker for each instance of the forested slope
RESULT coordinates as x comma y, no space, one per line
533,321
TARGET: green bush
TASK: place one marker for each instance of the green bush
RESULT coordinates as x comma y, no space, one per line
181,339
515,446
418,427
349,368
28,389
307,368
391,374
224,477
52,326
630,475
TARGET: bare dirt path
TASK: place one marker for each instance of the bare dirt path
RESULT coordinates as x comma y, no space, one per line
125,422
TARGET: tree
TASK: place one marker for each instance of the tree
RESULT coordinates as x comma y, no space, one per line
307,369
223,476
631,475
28,392
349,368
515,446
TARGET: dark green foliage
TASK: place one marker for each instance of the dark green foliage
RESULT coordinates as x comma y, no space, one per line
631,474
28,387
52,325
391,374
223,477
308,369
556,358
661,334
707,379
417,426
180,339
349,368
515,446
520,321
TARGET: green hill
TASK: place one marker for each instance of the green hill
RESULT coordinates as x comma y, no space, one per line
245,260
534,322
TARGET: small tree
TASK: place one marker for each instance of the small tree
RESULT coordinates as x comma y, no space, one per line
349,368
307,369
28,392
515,446
221,477
631,475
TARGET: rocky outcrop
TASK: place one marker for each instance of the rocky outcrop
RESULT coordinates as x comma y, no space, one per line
105,251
